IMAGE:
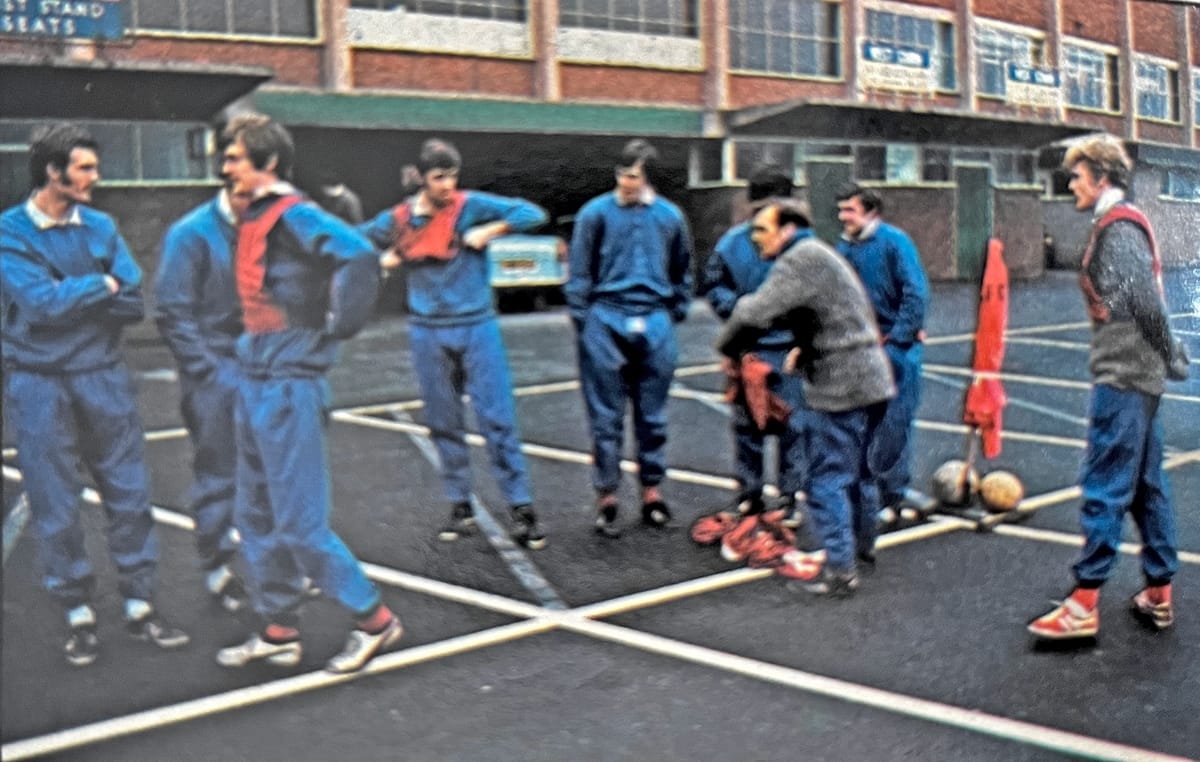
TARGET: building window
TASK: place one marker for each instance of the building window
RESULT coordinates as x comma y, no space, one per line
1182,184
133,151
1013,167
674,18
936,37
799,37
1157,91
257,18
1091,78
1196,98
748,155
707,162
496,10
995,49
935,166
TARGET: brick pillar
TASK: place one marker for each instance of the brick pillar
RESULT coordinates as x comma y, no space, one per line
1127,70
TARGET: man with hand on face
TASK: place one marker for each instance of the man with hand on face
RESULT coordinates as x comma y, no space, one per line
305,280
1132,354
630,282
439,236
847,382
68,286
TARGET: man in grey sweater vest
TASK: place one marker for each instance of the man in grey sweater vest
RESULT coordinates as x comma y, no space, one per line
847,381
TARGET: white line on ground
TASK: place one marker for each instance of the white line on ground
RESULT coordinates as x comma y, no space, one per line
107,730
961,337
897,703
1065,538
1016,436
10,452
1078,346
1018,378
525,571
1012,400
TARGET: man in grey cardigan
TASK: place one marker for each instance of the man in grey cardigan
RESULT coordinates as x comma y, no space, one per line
847,381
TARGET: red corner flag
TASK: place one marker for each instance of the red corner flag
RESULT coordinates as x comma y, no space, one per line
985,397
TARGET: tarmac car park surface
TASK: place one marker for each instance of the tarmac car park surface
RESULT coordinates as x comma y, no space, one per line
648,646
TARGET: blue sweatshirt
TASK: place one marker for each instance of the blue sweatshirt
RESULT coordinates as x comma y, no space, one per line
890,269
196,300
635,258
324,275
58,315
457,291
735,269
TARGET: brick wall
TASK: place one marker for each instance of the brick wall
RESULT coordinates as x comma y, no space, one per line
629,84
293,64
1017,221
1154,30
748,90
442,73
1092,19
1030,14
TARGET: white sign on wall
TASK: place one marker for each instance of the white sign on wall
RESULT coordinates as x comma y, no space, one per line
883,66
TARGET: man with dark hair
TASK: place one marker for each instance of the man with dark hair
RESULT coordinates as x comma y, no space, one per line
847,381
439,236
630,280
199,317
1132,354
734,270
305,281
891,272
69,286
339,200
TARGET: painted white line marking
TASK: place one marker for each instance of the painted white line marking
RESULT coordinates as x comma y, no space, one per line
161,434
515,558
896,703
164,716
159,374
10,452
961,337
1078,346
1013,401
541,451
14,525
1016,436
1017,378
1065,538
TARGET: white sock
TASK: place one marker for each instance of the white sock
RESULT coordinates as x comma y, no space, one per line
218,578
81,616
136,608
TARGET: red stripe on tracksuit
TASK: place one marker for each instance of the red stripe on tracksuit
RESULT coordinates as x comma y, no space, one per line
1096,307
259,313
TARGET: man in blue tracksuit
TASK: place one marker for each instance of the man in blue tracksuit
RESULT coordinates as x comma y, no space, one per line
198,314
630,282
890,268
70,285
735,269
305,281
439,236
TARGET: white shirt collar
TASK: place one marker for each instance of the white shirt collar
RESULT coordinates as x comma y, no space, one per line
868,230
225,209
43,221
278,188
1108,199
646,197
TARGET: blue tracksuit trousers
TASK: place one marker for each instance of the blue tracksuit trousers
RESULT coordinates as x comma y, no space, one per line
207,408
842,496
1123,471
748,440
450,360
624,357
283,499
89,416
890,449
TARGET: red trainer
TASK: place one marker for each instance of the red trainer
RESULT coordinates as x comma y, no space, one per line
1071,619
735,545
769,547
1153,604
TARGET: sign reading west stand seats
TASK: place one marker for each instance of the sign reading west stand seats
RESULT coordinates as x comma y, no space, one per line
64,19
884,66
1032,86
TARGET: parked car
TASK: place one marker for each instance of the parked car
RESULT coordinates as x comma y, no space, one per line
527,268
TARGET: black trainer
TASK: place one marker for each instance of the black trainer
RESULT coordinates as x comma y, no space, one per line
154,629
655,514
461,524
82,646
606,521
525,529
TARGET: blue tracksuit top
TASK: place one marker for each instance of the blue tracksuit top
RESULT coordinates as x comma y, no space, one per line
195,290
58,316
324,275
890,269
457,291
635,258
735,269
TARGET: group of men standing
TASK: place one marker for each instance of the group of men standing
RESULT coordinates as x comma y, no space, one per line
257,287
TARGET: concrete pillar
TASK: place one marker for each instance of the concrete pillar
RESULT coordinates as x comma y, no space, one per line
337,63
543,31
714,35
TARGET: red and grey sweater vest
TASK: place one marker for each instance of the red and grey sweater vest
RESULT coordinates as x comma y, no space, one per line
260,314
435,239
1096,307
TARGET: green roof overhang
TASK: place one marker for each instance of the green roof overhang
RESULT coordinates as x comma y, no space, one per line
372,111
